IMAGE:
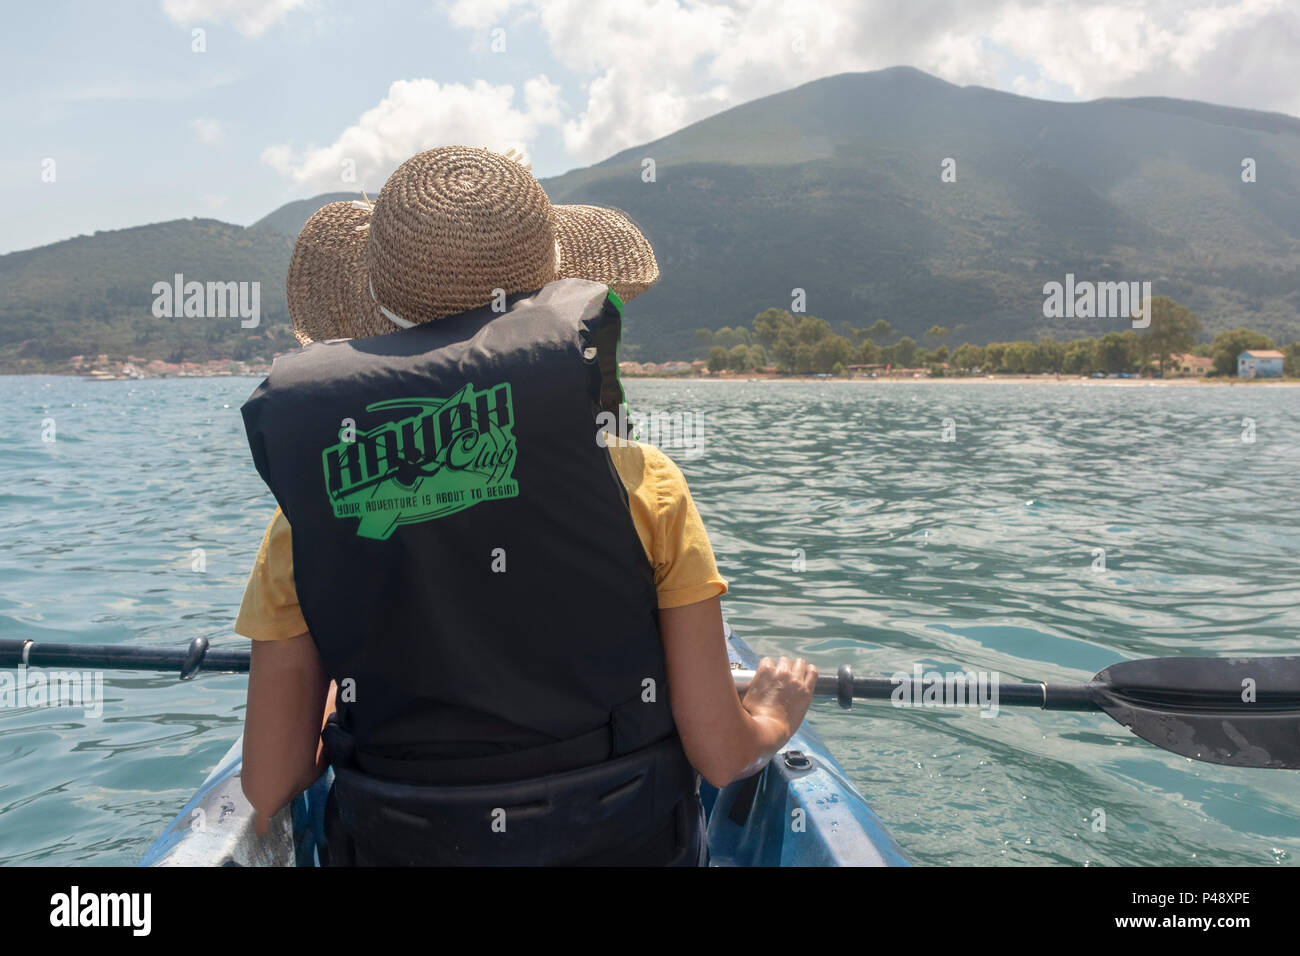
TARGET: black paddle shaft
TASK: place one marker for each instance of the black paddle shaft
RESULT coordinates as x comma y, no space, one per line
188,661
907,691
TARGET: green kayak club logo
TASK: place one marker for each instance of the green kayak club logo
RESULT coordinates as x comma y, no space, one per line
443,456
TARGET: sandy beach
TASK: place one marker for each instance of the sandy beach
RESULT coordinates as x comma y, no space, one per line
992,380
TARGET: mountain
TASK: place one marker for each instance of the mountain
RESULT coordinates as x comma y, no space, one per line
834,188
94,294
289,219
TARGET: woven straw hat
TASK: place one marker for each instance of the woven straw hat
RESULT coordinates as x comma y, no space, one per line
450,227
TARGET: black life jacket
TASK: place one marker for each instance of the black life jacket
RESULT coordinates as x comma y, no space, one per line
467,565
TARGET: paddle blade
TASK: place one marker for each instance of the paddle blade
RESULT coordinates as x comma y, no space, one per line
1239,711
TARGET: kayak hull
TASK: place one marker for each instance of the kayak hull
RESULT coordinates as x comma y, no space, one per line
800,810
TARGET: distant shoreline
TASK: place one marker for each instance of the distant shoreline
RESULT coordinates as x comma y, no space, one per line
943,380
131,378
983,380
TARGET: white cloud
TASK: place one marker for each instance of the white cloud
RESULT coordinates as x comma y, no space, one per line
249,17
649,68
654,67
416,115
481,13
208,130
1162,46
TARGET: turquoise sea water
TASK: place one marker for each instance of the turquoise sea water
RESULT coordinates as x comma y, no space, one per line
850,531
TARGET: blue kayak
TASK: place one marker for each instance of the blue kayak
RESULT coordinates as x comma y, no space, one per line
800,810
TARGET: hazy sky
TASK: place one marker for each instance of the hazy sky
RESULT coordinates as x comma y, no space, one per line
141,126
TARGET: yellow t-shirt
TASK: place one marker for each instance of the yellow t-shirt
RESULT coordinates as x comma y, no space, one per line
662,509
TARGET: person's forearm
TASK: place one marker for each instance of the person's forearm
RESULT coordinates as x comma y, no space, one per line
287,690
270,800
767,736
725,737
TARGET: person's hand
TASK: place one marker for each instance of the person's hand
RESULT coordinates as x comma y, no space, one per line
781,692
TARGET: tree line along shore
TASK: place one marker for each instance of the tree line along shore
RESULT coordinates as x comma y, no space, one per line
779,342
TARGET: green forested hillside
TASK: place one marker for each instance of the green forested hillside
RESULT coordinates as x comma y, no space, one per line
94,294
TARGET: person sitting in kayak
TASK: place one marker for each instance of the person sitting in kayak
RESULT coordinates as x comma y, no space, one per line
517,626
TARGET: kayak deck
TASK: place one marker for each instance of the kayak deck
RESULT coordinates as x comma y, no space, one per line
800,810
756,821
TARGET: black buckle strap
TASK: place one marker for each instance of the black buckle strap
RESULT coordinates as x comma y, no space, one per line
565,818
590,748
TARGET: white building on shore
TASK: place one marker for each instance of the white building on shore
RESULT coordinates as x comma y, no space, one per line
1259,363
